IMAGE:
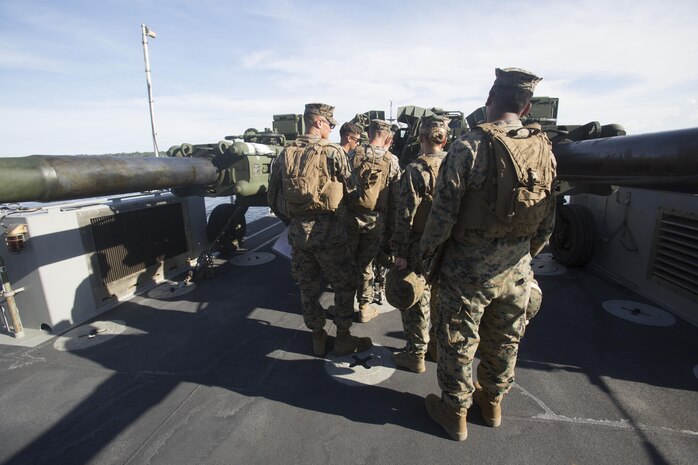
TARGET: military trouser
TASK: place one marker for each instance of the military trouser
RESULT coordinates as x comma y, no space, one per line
469,316
416,321
336,264
364,246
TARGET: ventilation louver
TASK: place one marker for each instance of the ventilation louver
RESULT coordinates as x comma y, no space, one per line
674,261
130,242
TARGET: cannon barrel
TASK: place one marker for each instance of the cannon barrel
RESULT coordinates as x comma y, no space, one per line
662,160
48,178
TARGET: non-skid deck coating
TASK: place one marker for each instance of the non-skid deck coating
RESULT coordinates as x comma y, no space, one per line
223,375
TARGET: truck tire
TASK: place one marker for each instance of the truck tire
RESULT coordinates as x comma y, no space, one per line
575,237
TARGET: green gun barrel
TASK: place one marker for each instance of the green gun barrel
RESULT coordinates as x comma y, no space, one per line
662,160
46,178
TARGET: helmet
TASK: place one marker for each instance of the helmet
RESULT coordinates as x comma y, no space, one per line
403,288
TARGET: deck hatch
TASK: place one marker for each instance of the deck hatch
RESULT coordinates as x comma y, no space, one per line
130,242
674,260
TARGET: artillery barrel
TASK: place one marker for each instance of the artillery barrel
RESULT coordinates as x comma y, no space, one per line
48,178
663,160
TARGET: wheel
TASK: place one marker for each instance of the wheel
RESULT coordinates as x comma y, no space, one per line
231,218
574,238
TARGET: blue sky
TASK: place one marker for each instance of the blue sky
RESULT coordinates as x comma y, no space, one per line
72,75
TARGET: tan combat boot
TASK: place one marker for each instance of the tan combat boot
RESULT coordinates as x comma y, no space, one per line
410,361
491,409
367,313
345,343
319,342
453,421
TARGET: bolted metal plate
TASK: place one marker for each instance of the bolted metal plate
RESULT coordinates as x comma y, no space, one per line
170,289
638,312
370,367
545,265
88,335
253,258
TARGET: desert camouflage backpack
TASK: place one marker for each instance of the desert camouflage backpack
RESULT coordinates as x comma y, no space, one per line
517,193
431,165
371,170
308,185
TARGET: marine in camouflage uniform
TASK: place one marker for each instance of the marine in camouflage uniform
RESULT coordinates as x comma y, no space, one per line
369,230
318,237
483,281
349,136
416,191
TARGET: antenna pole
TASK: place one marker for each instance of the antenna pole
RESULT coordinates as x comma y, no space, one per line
145,32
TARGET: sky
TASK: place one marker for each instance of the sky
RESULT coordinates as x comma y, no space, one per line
72,73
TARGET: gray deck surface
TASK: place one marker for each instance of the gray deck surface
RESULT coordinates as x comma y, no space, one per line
224,375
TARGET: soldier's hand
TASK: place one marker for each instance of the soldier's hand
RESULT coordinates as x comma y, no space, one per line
400,263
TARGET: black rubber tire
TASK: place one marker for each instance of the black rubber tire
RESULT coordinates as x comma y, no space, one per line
230,241
575,238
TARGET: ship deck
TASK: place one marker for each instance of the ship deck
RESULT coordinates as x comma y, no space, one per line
224,374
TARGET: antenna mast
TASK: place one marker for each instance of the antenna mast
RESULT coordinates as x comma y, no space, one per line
145,32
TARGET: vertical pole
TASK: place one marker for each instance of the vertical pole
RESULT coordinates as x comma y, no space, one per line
17,329
145,32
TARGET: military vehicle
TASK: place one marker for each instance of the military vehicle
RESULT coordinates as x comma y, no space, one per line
124,362
592,158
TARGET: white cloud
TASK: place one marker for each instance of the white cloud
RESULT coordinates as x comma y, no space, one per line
613,61
17,60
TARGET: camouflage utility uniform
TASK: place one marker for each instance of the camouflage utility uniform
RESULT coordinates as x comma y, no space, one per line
368,230
319,243
483,282
417,183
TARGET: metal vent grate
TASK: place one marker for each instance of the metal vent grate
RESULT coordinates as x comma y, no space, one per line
674,262
130,242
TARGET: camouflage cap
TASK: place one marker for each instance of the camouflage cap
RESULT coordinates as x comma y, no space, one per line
435,121
321,109
516,77
403,288
380,125
350,128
